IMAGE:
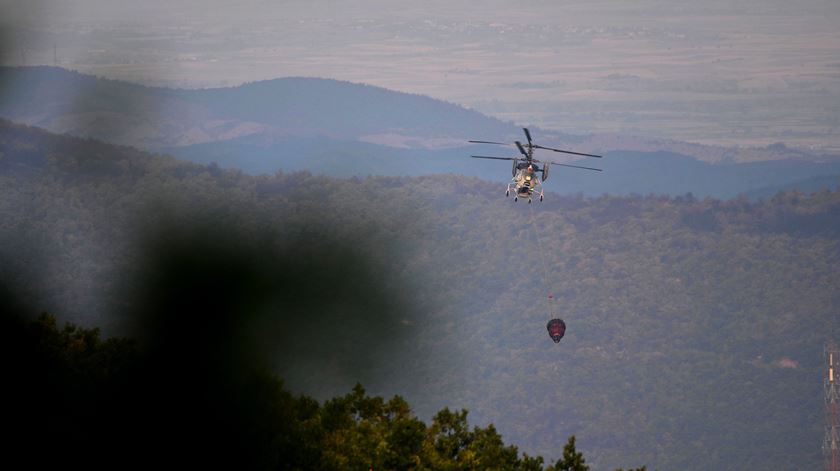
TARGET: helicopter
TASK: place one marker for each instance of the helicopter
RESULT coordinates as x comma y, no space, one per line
527,175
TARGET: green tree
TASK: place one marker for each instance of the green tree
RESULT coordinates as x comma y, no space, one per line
448,436
572,459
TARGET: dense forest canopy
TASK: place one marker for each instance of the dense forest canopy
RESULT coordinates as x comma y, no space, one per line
695,326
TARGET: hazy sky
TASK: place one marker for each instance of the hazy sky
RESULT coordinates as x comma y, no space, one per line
729,72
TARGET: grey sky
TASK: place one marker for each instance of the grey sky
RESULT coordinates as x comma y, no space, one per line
744,73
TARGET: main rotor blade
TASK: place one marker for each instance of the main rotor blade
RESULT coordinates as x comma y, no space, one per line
490,142
569,152
528,135
494,158
576,166
521,149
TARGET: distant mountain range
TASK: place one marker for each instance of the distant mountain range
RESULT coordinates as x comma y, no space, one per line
341,129
270,111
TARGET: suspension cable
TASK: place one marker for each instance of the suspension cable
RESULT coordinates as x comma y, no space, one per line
546,284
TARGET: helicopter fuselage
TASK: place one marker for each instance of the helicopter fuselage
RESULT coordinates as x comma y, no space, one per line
525,182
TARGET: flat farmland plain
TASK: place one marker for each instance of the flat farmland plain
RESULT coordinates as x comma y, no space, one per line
746,75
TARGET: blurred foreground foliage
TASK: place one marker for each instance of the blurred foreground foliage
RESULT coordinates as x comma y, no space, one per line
75,399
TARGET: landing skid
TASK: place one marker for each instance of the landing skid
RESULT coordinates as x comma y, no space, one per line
512,186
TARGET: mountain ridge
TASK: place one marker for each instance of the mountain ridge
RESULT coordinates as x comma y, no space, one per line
364,109
341,128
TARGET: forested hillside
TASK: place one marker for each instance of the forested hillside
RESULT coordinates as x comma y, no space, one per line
695,326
